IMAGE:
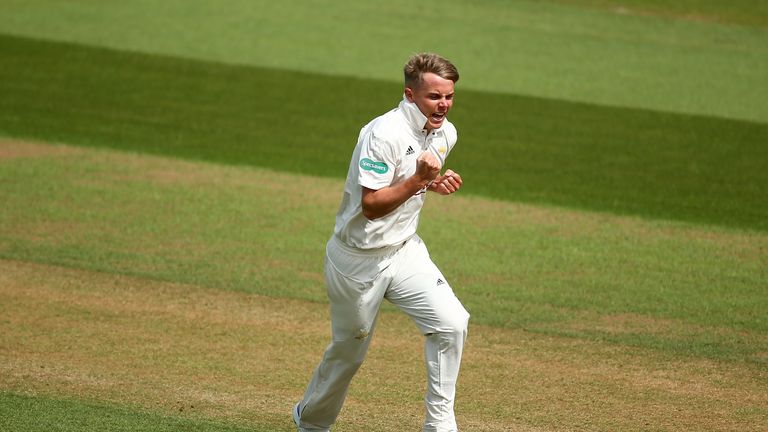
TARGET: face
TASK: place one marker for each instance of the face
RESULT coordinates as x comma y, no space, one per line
434,97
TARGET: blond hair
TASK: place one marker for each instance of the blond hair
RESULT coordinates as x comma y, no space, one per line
422,63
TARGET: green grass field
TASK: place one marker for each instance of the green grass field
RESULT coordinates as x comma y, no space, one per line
169,174
619,160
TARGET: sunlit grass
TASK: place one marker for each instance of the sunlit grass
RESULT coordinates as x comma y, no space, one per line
616,160
517,266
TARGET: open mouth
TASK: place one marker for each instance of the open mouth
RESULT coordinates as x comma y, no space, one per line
437,117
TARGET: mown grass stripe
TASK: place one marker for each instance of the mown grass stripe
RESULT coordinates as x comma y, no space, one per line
644,54
626,161
261,231
23,413
744,12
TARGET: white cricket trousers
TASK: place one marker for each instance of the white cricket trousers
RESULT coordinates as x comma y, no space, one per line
357,281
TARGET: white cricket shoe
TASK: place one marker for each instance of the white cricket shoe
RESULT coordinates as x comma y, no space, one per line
296,417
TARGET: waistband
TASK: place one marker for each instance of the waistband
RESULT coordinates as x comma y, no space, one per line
383,251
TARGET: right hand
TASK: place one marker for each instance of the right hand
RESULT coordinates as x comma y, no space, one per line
427,166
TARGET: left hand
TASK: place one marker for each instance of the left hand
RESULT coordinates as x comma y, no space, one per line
447,183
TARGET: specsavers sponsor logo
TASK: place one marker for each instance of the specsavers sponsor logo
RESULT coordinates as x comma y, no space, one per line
377,167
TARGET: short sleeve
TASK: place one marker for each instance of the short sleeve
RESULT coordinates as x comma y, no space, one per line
377,163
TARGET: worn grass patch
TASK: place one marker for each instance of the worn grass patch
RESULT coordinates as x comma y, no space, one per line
241,359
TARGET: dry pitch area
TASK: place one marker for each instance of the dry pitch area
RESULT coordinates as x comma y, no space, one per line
236,357
244,358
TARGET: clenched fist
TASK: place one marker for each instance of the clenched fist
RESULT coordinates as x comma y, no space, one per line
447,183
427,166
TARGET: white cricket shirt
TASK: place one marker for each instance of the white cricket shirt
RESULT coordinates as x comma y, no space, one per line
386,153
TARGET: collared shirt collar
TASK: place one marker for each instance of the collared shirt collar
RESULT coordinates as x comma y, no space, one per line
413,116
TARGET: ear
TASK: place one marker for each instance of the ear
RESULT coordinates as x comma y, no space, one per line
409,94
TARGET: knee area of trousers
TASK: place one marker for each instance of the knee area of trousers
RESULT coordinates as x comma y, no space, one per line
452,331
346,360
352,348
457,323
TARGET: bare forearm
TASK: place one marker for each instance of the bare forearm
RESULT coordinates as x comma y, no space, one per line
381,202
